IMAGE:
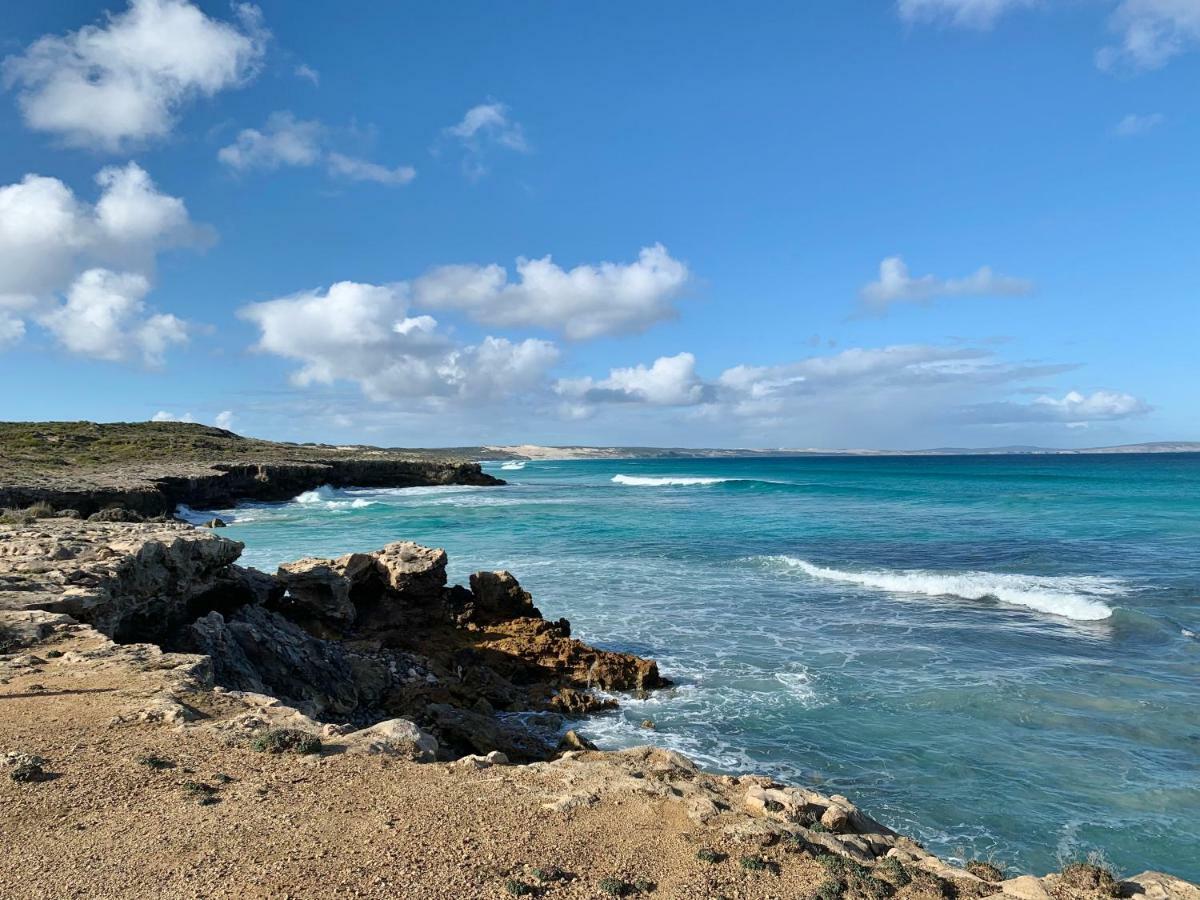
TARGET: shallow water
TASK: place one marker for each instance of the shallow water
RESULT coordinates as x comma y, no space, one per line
998,655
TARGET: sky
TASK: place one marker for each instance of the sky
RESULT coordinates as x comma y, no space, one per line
841,223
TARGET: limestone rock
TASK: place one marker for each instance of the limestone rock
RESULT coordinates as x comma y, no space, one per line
498,597
1158,886
316,587
396,737
1025,887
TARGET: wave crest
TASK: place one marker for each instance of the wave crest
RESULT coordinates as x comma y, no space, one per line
1070,596
666,480
331,498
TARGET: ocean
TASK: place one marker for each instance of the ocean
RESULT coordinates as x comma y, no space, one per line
997,655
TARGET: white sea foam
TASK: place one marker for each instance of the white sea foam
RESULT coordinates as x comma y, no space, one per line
1071,596
666,481
331,498
515,466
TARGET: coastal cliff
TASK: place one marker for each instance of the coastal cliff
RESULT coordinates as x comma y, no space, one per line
176,725
149,468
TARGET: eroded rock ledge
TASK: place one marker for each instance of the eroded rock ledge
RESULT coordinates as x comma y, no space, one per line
351,641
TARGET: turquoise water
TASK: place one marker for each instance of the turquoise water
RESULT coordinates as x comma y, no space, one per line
998,655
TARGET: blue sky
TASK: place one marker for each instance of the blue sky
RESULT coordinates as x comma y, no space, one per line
831,224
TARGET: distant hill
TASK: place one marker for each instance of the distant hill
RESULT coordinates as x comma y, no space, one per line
533,451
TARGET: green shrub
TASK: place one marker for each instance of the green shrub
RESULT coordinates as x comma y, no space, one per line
615,887
830,889
758,864
157,763
287,740
1093,876
53,654
704,854
519,888
984,870
204,794
892,869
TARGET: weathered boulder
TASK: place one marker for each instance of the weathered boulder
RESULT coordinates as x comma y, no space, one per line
259,650
1158,886
522,738
317,588
498,597
394,737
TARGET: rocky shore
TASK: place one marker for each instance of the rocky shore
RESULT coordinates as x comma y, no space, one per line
353,727
146,469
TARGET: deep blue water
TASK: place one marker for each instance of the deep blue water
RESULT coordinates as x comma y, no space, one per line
998,655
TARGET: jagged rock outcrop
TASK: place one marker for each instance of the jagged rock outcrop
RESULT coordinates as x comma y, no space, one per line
359,639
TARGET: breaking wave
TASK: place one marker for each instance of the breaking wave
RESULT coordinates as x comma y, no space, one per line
514,466
331,498
667,481
1071,596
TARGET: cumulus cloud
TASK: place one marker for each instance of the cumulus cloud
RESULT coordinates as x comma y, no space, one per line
896,285
283,141
668,381
287,141
104,318
307,73
124,82
53,243
484,126
12,330
224,419
980,14
863,390
585,302
1150,33
1073,408
361,170
1133,125
164,416
362,333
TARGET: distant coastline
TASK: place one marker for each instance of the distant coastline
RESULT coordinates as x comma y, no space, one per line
536,451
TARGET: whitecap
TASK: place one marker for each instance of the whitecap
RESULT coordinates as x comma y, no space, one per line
666,481
514,466
1071,596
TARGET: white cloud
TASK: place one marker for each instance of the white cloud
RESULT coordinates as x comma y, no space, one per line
1072,409
587,301
52,243
896,285
1133,125
47,233
669,381
362,333
488,124
123,82
224,419
283,141
163,416
12,329
104,318
307,73
361,170
287,141
860,390
980,14
1151,32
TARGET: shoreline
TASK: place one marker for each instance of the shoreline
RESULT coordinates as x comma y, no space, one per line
180,691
